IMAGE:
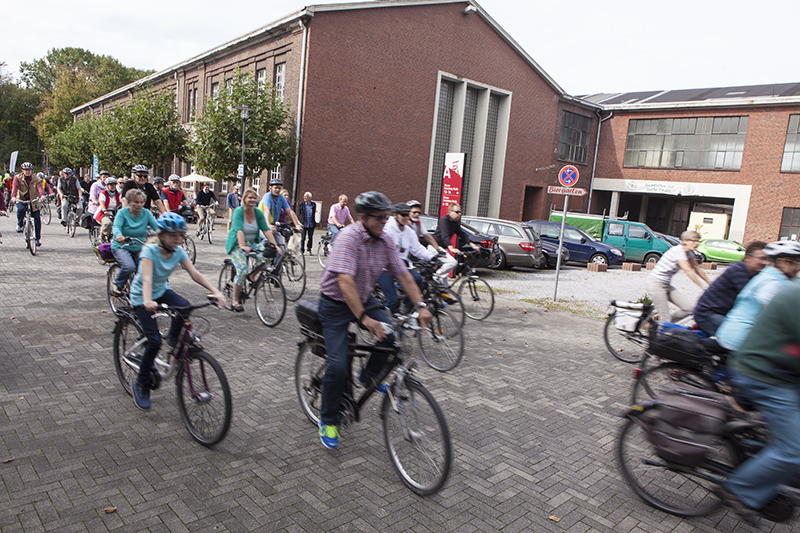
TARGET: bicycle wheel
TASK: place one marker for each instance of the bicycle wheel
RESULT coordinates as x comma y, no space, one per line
210,230
653,379
476,297
293,278
681,491
116,302
94,237
442,342
72,223
309,369
450,301
627,346
225,283
270,300
204,397
129,345
323,249
45,213
29,231
191,251
417,437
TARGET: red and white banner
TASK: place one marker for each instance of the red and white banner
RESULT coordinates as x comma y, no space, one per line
451,182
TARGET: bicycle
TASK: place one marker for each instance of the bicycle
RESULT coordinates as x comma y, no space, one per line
28,227
95,237
45,212
206,226
267,291
324,248
291,269
117,302
414,428
204,397
626,331
475,294
436,295
73,215
690,490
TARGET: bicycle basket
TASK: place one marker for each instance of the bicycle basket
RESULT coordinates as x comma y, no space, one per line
104,251
684,346
684,424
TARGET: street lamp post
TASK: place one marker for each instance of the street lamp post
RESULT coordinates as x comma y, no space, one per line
245,114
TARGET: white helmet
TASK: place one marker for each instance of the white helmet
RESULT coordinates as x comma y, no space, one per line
782,248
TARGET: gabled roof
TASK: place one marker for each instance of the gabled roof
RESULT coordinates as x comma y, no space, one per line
309,11
748,95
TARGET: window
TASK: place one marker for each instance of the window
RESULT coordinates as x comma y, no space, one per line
256,183
191,100
280,79
214,89
275,173
790,223
224,187
705,143
261,78
791,150
574,138
637,232
229,85
616,230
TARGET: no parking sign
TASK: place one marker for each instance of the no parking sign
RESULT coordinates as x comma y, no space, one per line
568,176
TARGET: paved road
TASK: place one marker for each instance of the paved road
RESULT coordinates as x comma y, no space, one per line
530,409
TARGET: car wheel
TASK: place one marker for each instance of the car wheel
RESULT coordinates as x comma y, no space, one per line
651,258
702,257
600,259
499,261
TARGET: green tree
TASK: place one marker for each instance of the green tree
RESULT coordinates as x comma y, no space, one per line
216,145
75,146
17,109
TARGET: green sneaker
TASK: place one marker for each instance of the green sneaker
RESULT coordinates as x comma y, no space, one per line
329,436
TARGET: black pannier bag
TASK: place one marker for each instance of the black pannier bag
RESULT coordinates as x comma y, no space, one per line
681,345
685,423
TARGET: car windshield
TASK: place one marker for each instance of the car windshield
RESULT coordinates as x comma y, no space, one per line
574,234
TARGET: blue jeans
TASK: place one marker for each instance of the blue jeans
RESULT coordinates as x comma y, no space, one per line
709,322
150,329
756,480
128,263
335,317
389,288
37,220
334,229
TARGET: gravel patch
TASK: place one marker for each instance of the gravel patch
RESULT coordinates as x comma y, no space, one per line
580,291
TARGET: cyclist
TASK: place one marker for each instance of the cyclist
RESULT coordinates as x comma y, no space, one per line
766,371
173,196
139,181
243,240
659,282
750,303
158,183
339,216
109,198
95,190
273,205
130,221
413,221
68,185
450,226
150,287
406,241
27,188
361,254
206,200
719,298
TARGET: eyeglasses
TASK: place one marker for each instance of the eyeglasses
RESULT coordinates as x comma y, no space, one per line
416,212
141,175
457,212
403,215
379,218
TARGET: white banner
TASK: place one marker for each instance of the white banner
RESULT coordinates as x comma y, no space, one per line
13,161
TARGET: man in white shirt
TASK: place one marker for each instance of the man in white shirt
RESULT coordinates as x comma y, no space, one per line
406,240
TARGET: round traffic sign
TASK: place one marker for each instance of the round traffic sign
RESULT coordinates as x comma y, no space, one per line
568,176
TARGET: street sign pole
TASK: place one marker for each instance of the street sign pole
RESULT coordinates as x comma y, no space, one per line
560,244
568,176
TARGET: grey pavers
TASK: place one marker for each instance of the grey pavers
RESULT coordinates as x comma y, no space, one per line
530,410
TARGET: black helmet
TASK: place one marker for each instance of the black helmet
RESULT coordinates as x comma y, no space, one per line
275,181
367,202
27,166
402,207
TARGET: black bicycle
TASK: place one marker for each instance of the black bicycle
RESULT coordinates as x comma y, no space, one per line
291,267
73,218
414,427
28,227
626,331
264,286
204,397
324,248
474,292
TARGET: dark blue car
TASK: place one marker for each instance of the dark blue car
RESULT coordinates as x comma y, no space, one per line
582,248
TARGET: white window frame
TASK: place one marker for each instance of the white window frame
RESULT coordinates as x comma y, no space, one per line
224,187
280,79
261,78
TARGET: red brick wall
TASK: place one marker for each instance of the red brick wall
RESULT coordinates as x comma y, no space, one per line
761,163
371,88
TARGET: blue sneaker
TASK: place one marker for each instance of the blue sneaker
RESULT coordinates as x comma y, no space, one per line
382,387
141,396
329,436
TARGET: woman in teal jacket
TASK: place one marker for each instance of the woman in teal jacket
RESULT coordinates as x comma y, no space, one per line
244,238
131,221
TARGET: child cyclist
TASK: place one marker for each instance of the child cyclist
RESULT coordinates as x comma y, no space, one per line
151,287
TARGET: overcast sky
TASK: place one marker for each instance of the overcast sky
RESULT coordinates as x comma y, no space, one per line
586,46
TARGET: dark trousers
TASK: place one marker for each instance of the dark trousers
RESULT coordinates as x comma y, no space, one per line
37,219
389,288
310,233
150,328
335,317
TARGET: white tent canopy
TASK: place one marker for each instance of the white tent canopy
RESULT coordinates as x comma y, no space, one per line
196,177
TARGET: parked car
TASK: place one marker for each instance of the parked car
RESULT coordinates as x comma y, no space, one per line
720,250
488,244
582,248
550,252
519,245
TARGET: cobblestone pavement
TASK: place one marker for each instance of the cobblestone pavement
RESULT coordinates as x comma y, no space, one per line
530,410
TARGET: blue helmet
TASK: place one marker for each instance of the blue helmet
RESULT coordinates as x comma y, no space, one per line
172,223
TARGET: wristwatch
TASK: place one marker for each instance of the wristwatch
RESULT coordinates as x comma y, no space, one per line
421,305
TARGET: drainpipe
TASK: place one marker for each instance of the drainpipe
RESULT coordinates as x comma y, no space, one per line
594,161
300,110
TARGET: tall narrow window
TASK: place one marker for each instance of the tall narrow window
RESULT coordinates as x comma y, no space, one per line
790,223
275,173
214,89
488,156
224,187
468,139
574,138
791,150
261,78
442,141
280,79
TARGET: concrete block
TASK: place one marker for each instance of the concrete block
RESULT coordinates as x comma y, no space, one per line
596,267
632,267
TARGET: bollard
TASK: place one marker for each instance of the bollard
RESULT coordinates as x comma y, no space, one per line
596,267
632,267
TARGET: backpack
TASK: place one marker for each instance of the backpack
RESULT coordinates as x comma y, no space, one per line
684,424
684,346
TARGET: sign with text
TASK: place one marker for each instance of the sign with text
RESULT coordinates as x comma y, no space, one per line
451,181
569,191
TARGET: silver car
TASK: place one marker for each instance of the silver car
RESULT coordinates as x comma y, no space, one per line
519,244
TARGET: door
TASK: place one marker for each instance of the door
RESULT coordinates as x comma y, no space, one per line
639,242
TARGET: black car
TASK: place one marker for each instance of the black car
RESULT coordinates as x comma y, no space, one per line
550,252
487,243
